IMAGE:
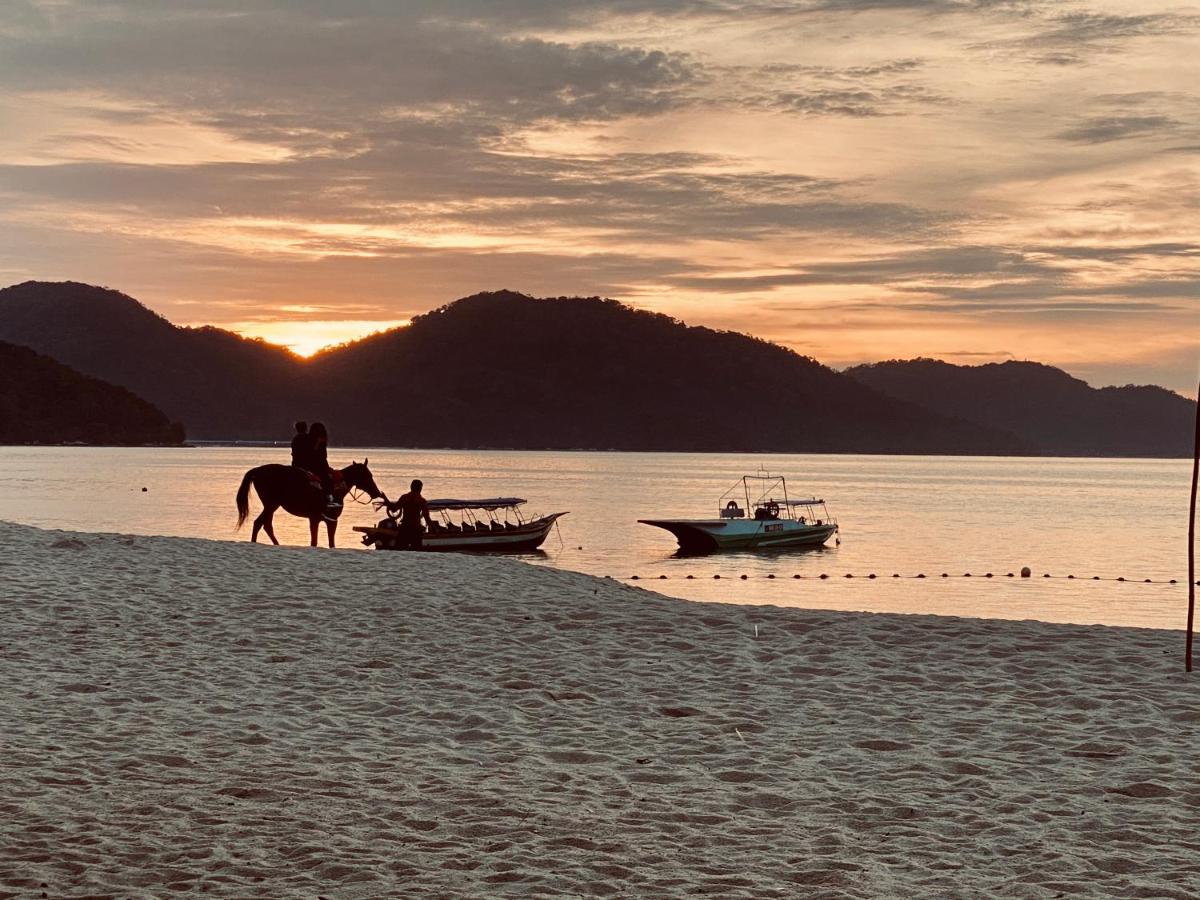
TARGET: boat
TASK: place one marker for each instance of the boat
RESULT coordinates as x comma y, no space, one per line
491,525
769,520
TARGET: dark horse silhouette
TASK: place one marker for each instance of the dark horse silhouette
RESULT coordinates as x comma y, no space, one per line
292,488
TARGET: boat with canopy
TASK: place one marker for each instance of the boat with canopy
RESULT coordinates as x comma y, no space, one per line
755,514
490,525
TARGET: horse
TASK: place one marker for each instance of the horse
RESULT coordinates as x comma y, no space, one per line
294,490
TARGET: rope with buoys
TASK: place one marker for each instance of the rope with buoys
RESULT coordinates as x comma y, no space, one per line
1025,573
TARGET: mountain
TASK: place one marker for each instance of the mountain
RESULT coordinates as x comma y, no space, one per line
506,370
1044,406
219,384
43,401
502,369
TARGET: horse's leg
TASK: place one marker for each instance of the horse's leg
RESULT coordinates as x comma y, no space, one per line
331,527
313,521
258,523
268,523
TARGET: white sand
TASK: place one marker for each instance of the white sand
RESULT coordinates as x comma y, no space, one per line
190,716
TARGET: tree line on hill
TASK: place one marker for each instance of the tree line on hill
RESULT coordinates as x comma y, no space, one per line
504,370
43,401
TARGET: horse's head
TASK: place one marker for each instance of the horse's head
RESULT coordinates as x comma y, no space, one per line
358,475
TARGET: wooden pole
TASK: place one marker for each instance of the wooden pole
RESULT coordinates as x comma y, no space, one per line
1187,663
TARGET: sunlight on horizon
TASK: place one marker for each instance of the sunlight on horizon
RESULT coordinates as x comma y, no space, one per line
307,338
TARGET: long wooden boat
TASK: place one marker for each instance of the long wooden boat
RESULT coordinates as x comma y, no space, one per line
770,520
493,525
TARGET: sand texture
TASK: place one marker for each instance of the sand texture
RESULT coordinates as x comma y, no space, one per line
184,716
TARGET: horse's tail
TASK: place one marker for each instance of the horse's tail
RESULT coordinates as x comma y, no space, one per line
243,496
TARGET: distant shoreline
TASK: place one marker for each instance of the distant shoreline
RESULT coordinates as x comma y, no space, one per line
282,445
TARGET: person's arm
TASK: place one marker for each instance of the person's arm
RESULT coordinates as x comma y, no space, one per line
425,513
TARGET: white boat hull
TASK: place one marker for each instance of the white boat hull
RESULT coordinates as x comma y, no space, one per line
707,535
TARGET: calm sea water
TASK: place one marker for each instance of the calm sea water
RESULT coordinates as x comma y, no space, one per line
902,515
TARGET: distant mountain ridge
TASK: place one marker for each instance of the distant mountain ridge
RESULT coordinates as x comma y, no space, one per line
506,370
43,401
1058,414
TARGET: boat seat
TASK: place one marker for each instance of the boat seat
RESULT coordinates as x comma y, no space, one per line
509,526
497,526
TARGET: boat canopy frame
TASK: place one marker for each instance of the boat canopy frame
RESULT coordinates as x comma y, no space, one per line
762,495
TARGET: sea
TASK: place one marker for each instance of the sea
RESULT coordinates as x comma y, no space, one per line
1103,538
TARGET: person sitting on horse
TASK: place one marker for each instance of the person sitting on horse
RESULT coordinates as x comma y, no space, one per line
301,447
413,508
319,458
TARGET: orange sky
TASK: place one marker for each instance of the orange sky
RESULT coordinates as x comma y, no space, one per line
857,180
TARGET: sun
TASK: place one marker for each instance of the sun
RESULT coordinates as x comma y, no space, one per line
307,337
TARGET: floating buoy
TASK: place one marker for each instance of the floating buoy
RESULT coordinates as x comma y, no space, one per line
716,576
1047,575
633,578
1122,578
772,575
920,576
1025,572
144,489
1147,581
690,577
796,576
1172,581
872,575
848,575
1070,576
823,576
945,574
988,575
744,577
1095,578
895,574
1010,575
966,574
662,577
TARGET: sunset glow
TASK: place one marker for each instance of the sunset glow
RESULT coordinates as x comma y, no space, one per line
858,181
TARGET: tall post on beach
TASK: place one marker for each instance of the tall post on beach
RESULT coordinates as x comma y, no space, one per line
1192,540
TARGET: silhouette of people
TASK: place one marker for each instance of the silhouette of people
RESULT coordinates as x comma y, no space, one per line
412,508
301,446
319,458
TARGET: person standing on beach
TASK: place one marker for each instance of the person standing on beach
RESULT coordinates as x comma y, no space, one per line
301,447
412,508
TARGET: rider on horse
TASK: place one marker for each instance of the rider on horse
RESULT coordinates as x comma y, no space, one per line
310,451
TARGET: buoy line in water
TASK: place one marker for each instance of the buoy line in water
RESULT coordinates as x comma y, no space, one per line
1024,573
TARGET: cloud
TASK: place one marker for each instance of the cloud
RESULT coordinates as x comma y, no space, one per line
271,60
1078,37
1101,129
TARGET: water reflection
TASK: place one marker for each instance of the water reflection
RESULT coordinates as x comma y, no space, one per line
903,515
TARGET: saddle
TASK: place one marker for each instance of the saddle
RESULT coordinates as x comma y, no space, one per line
336,479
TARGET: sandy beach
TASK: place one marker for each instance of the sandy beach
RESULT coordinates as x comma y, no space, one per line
182,716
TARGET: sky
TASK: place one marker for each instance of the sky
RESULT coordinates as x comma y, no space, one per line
858,180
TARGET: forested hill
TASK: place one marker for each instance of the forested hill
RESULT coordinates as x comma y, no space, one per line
219,384
43,401
506,370
1044,406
